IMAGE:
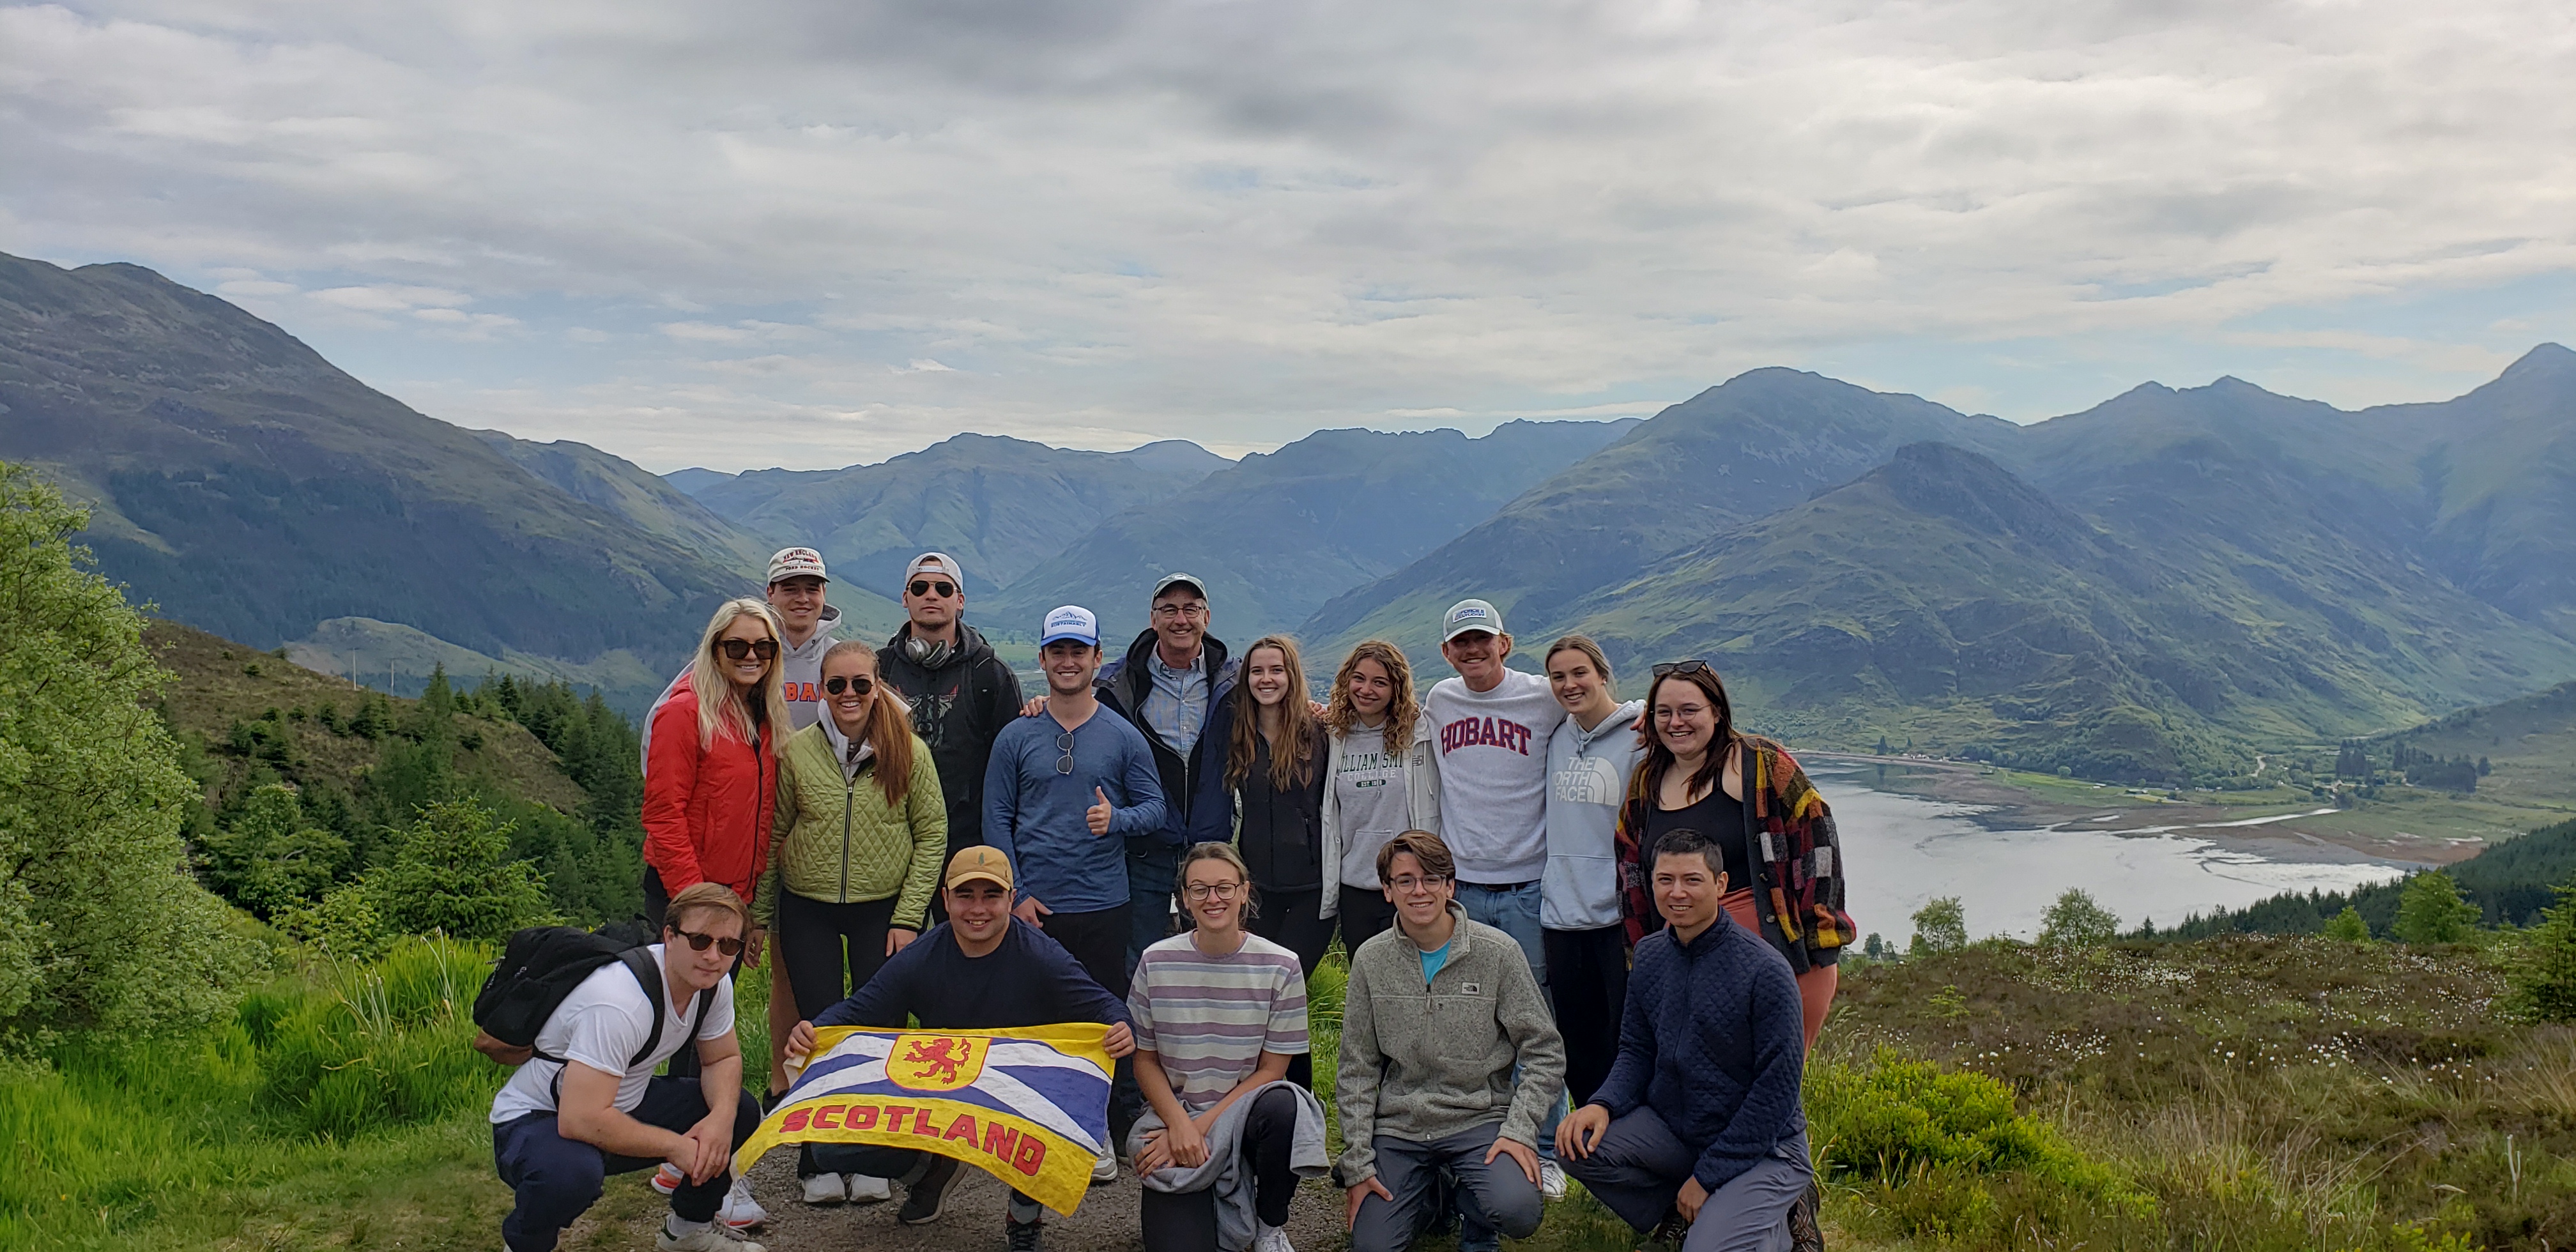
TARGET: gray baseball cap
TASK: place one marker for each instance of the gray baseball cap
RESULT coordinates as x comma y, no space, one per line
1467,615
1168,581
937,563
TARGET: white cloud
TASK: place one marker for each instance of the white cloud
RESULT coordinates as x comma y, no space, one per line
1145,218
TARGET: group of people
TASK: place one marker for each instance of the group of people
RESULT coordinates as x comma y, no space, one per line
1586,937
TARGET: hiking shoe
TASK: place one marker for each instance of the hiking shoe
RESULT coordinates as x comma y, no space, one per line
826,1189
1022,1236
669,1178
1273,1239
740,1211
1104,1170
1806,1230
1671,1232
866,1190
925,1200
712,1237
1551,1180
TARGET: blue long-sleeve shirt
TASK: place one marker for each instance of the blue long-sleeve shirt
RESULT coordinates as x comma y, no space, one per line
1030,980
1034,814
1713,1039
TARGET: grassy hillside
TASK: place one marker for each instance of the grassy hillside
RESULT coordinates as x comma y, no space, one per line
1276,535
999,505
244,484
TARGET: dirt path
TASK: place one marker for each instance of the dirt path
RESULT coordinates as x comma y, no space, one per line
1106,1221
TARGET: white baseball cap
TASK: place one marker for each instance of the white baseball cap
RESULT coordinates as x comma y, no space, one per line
1467,615
937,563
1071,621
789,563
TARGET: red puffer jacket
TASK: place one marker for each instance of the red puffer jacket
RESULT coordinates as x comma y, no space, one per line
706,813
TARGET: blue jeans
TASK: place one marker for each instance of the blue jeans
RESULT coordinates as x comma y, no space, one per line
1514,910
558,1179
1150,879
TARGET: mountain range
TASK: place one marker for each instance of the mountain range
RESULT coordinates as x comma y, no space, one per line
2140,590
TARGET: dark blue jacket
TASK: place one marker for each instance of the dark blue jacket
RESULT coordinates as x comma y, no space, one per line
1713,1039
1030,980
1196,806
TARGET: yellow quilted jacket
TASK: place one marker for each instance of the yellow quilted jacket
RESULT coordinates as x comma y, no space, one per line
835,838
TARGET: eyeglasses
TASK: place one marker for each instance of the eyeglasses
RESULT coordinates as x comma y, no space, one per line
1670,668
1409,884
1167,612
736,649
698,942
1064,744
924,586
1199,891
856,686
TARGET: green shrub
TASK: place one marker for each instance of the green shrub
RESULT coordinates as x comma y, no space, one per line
2348,926
1939,926
384,1045
268,857
2077,921
1901,1121
2431,911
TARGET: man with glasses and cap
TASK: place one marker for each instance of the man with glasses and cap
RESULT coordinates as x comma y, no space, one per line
962,695
1172,686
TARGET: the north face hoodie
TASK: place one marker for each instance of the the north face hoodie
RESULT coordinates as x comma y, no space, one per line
1587,780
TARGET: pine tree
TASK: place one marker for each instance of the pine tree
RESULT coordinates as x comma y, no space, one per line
2544,982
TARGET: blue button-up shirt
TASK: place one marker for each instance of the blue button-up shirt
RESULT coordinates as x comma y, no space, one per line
1177,706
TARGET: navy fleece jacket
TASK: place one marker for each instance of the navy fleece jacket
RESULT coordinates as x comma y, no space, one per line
1713,1040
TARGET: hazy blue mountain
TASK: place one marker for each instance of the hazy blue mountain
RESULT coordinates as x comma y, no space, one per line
695,480
646,500
246,486
997,504
1761,442
1277,534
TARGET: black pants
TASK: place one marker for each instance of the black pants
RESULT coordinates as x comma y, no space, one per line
1185,1221
1587,985
813,940
1365,914
556,1179
1098,942
657,907
1294,920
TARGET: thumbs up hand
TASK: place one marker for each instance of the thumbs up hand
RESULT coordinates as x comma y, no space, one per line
1098,814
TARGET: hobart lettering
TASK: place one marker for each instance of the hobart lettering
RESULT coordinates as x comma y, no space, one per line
1024,1153
1491,732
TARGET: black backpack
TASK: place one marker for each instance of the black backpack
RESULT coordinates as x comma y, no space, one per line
540,966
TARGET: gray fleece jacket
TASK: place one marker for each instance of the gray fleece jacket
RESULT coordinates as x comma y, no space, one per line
1426,1061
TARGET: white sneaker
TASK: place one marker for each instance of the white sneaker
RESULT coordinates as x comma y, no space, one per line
1104,1170
712,1237
1551,1180
825,1189
668,1178
1272,1239
866,1190
740,1211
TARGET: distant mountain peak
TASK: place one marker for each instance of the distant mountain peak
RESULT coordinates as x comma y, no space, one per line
2547,359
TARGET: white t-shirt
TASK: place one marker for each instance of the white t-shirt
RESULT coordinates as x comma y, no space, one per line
601,1024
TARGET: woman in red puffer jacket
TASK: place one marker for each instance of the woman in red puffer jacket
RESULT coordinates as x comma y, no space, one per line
711,777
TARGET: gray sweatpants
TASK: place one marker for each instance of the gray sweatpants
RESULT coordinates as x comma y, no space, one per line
1496,1197
1639,1167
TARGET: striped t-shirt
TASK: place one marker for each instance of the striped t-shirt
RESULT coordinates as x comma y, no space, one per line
1209,1018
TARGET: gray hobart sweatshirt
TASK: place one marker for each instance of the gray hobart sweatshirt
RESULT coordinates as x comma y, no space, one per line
1425,1061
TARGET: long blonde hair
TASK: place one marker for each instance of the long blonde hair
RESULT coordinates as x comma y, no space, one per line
1289,763
719,708
1401,710
889,734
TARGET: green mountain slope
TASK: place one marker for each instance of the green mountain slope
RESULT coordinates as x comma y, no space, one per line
1276,535
643,499
1758,444
1942,598
999,505
243,484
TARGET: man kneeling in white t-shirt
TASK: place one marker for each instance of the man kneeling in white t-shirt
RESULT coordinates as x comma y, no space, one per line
559,1126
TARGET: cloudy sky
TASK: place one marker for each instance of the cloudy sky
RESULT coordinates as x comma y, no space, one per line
748,234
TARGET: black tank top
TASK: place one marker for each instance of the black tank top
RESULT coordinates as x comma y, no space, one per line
1719,818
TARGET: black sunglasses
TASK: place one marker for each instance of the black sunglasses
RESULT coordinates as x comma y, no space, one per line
924,586
858,686
1670,668
699,942
736,649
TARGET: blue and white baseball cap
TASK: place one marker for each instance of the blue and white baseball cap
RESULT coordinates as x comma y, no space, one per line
1071,621
1467,615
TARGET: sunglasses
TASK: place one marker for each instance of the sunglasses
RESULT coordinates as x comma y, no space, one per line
924,586
699,942
736,649
1670,668
856,686
1064,744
